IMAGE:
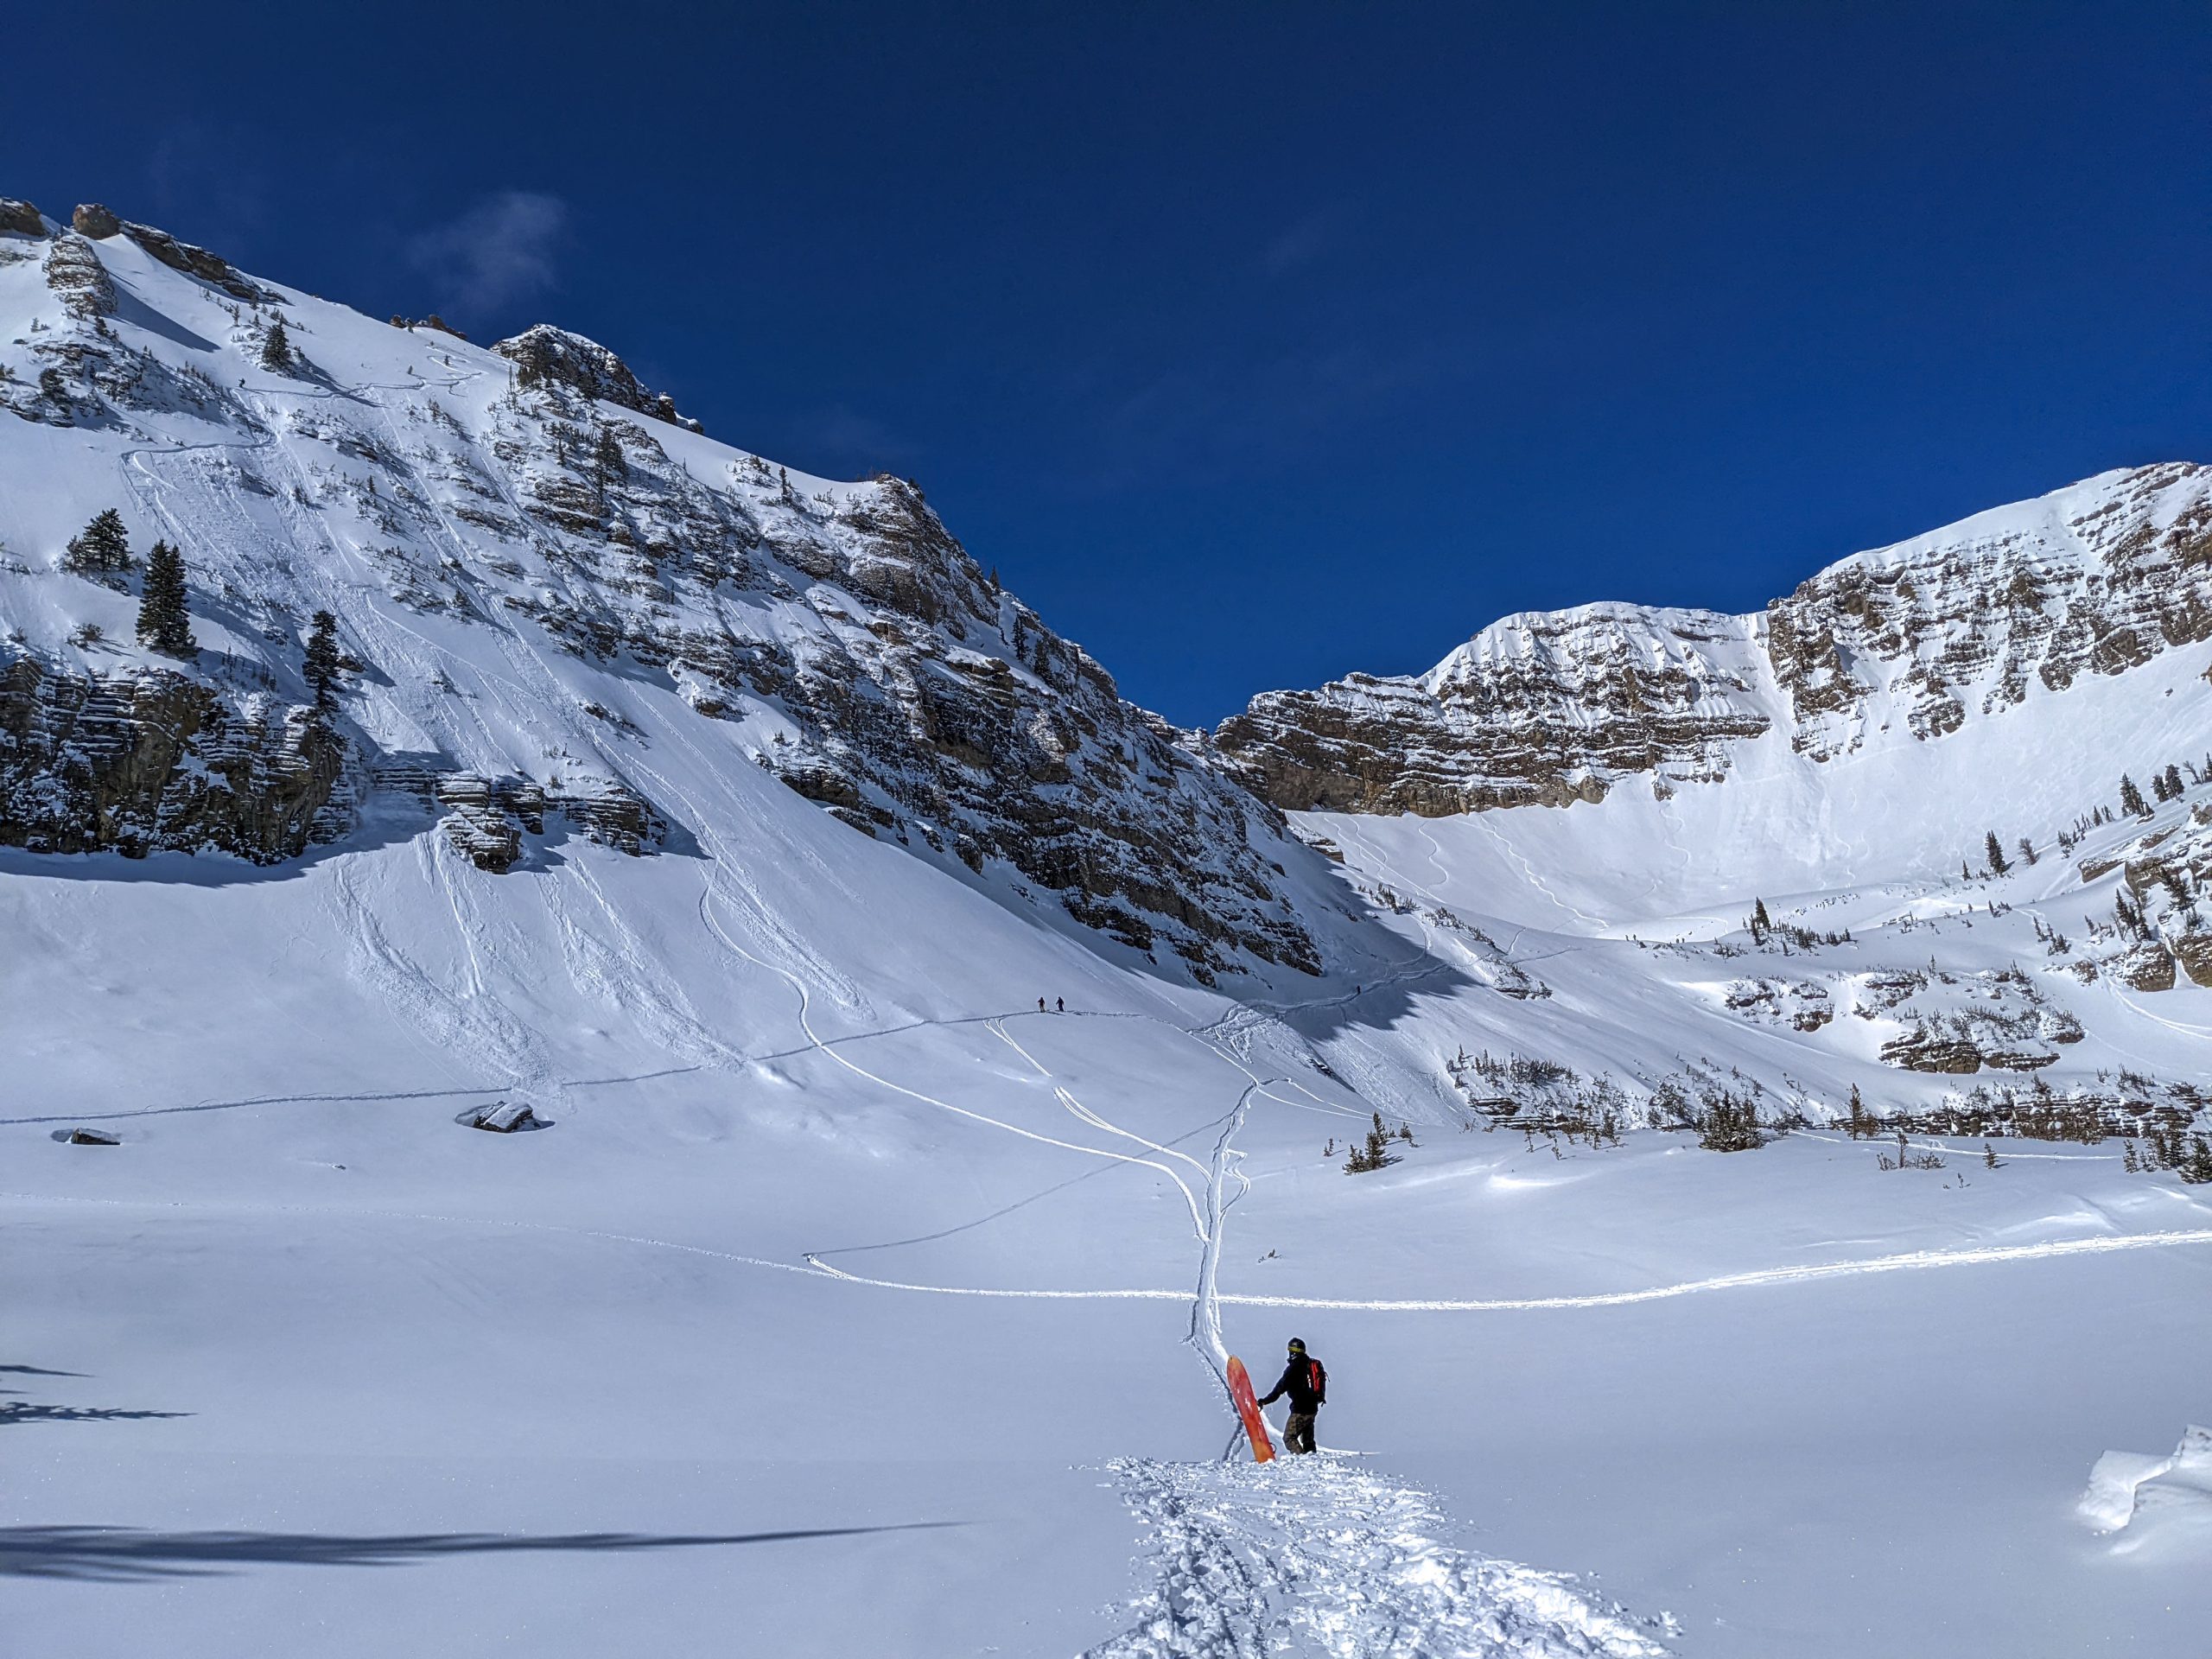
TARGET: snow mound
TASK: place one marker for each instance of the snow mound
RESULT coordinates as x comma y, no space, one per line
2169,1498
1315,1556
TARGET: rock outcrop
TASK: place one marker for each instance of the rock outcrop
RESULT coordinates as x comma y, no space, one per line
545,355
1540,709
93,221
141,760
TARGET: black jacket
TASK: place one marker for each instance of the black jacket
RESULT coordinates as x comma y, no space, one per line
1304,1381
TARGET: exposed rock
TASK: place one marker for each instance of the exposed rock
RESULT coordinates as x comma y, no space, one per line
147,759
2147,967
20,217
93,1138
504,1118
93,221
546,355
1539,710
1962,1022
486,818
1921,1053
209,268
1800,1004
2194,952
78,278
480,824
2018,1059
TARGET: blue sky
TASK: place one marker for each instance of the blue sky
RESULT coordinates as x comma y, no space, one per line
1253,344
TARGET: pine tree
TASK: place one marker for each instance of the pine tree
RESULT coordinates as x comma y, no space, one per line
165,624
277,349
102,548
2131,798
1989,1157
320,666
1858,1114
1760,925
1994,851
2027,850
607,466
2174,787
1375,1155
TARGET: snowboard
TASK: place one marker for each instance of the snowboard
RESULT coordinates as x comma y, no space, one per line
1247,1407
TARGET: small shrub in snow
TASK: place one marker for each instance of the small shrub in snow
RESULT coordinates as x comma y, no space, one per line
1729,1122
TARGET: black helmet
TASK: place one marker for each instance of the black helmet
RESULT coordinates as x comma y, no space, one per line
1297,1345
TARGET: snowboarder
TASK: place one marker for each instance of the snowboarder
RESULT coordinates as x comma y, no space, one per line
1308,1385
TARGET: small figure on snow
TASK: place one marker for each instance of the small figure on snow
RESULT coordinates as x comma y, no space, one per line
1061,1003
1308,1385
1040,1005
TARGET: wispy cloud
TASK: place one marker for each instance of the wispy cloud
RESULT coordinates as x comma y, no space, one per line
497,253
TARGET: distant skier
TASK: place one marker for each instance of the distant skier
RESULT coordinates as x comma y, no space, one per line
1308,1385
1040,1005
1060,1002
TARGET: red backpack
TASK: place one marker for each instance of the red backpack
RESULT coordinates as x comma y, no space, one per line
1319,1380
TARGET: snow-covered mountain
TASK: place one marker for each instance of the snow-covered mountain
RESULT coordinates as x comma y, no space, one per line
1901,646
737,825
501,535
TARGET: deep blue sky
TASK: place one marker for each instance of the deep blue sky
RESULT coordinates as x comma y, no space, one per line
1253,343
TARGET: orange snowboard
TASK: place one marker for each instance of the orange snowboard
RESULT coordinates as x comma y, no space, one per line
1247,1407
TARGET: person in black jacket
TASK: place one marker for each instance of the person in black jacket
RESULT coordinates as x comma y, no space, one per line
1308,1385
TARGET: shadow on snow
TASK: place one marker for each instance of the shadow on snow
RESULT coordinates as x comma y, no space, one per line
126,1555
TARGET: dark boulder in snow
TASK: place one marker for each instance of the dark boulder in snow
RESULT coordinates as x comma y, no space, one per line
93,221
20,217
93,1138
504,1117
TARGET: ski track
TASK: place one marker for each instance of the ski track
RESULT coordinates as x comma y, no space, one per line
1904,1261
1314,1555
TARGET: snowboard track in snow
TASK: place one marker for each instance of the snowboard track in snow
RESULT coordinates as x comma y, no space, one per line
1315,1555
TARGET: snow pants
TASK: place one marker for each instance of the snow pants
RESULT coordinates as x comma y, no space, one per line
1297,1432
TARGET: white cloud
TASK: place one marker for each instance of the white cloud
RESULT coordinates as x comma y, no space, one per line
498,252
